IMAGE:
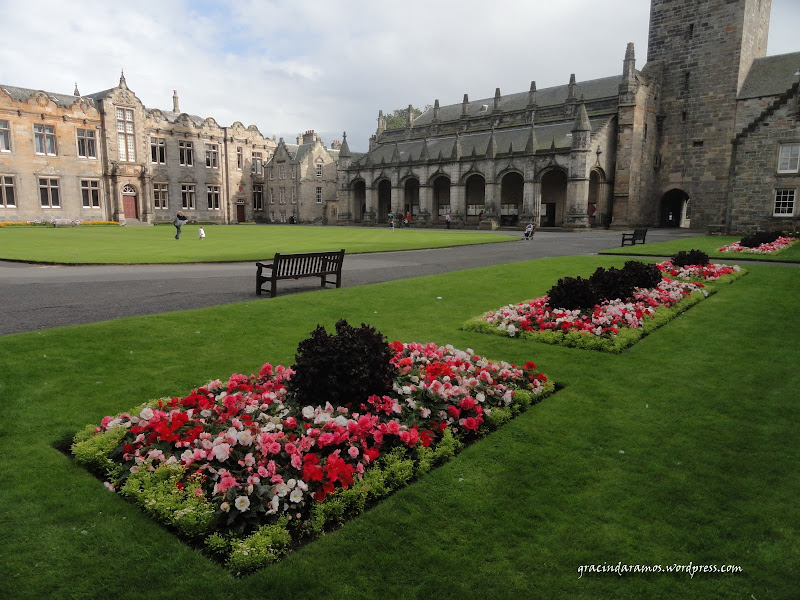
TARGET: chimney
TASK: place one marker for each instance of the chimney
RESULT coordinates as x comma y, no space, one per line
175,106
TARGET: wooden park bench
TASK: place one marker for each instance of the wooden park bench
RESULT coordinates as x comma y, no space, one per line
295,266
630,239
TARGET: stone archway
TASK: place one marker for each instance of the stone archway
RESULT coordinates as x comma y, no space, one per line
384,200
441,198
511,191
359,200
475,190
411,196
674,209
554,197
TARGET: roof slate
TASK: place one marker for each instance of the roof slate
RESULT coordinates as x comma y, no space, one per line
771,76
22,94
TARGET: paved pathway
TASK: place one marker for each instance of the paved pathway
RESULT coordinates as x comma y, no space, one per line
41,296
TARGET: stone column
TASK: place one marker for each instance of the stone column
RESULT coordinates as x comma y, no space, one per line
426,204
371,216
458,204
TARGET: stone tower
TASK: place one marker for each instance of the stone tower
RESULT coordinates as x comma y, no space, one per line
702,50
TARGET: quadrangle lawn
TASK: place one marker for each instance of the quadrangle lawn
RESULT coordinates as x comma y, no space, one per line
682,449
223,243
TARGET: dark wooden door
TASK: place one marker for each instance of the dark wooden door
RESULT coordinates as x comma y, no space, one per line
240,213
130,208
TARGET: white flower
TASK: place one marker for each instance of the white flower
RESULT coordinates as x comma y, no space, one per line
242,503
245,438
308,412
281,489
146,414
296,495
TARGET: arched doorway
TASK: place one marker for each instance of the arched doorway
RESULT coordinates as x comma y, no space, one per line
384,200
475,189
674,209
129,204
359,200
411,196
594,200
554,196
511,188
441,198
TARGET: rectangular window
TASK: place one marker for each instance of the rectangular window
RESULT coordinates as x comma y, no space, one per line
126,142
271,196
90,193
212,156
5,136
44,137
294,172
48,193
281,171
239,158
258,196
160,196
86,145
443,209
257,166
8,197
319,170
788,158
271,169
282,196
186,154
294,196
213,197
474,209
158,151
319,195
187,196
784,203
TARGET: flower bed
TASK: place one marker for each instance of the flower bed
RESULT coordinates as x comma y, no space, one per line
769,248
611,325
241,469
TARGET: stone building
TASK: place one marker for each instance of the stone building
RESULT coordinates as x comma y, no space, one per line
105,156
302,182
705,135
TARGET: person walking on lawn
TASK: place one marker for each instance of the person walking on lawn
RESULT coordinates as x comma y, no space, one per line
180,221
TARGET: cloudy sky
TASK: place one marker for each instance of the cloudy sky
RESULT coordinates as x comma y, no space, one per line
327,65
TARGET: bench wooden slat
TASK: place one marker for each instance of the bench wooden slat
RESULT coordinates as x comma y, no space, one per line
630,239
295,266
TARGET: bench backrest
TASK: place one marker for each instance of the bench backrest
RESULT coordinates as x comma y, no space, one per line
289,265
639,233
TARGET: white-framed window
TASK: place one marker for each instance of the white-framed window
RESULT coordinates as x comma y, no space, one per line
257,165
281,171
126,141
212,156
474,209
294,172
90,193
319,169
213,197
86,143
318,195
186,154
789,158
161,196
44,139
49,194
239,158
272,216
784,202
8,195
271,196
294,196
443,209
258,196
283,216
187,196
5,136
271,169
158,151
282,195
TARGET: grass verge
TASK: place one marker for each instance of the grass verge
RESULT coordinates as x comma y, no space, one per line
683,448
709,244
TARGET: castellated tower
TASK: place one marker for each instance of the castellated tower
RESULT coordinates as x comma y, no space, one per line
701,52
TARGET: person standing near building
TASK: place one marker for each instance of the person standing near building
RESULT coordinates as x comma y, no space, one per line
408,220
447,220
390,216
202,233
180,221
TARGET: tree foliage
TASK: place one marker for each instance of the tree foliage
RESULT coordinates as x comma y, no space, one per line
399,117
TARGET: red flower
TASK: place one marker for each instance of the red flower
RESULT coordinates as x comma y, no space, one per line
453,412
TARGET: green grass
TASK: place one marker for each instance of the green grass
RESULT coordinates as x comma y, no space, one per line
682,448
709,244
223,243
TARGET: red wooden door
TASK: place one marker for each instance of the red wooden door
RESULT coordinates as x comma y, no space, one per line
240,213
129,206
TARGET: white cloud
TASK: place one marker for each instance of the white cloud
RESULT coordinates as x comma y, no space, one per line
329,65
